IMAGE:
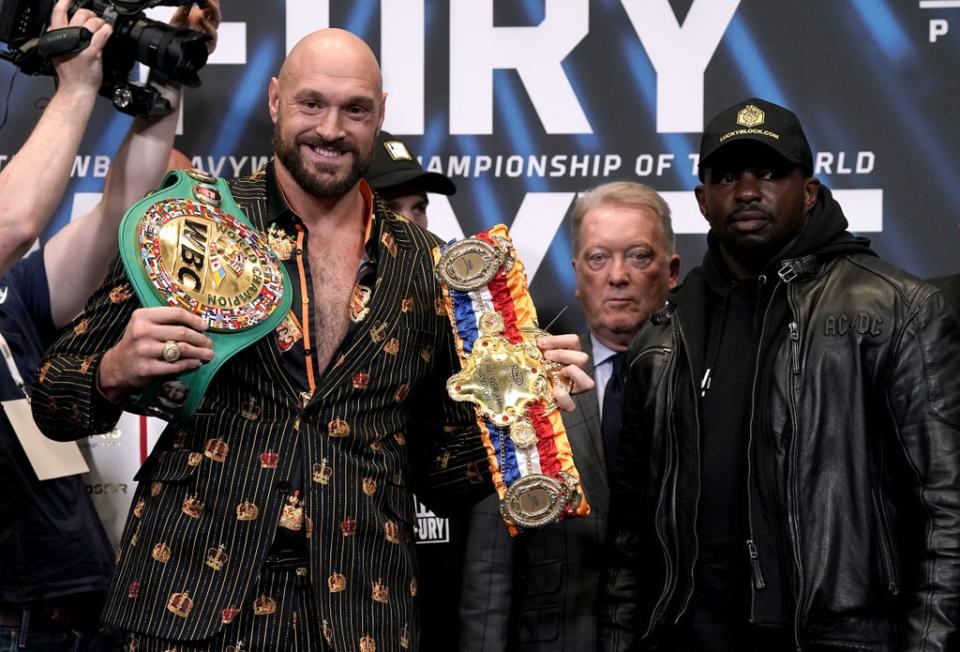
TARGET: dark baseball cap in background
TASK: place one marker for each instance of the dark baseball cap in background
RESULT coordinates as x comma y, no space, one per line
760,121
395,165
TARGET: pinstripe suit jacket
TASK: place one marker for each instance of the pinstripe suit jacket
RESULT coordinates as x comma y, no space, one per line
253,409
538,591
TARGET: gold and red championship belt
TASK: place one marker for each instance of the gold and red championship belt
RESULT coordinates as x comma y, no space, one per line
506,376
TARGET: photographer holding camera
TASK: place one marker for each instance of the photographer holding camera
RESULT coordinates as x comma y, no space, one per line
55,559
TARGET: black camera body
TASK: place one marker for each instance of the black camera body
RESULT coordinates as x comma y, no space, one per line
173,54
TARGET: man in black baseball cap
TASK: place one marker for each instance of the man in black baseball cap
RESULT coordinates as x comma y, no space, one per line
400,180
760,121
765,141
787,470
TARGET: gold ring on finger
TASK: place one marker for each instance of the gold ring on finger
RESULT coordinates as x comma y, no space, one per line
171,351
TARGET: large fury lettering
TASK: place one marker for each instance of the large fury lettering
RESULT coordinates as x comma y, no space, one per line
477,48
679,54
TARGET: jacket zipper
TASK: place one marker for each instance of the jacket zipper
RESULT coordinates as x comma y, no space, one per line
795,346
696,508
791,467
755,564
757,582
668,580
886,549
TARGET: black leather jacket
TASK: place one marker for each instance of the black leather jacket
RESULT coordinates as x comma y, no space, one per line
862,408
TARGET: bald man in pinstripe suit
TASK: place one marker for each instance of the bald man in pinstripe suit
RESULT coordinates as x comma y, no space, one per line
279,516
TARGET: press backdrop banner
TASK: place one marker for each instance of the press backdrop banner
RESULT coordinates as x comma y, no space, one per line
524,103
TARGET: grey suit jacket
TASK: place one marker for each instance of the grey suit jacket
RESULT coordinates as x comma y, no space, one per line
538,591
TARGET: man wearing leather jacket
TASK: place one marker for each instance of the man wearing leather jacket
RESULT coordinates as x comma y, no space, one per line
789,475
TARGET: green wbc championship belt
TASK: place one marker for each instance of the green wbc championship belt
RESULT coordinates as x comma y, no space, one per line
189,245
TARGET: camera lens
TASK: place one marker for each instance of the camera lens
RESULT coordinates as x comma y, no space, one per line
175,52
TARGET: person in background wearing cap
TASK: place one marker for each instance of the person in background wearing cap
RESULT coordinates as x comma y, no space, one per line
400,181
403,186
789,465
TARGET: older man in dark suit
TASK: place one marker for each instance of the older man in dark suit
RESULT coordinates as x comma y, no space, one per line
538,591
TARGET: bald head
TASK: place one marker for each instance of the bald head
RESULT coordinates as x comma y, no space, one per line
333,52
327,105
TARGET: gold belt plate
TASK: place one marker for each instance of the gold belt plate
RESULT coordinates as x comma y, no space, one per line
205,260
536,500
500,377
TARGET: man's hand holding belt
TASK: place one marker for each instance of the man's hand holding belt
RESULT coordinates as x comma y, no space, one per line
565,350
142,354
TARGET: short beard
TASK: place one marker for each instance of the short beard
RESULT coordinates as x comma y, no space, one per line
289,155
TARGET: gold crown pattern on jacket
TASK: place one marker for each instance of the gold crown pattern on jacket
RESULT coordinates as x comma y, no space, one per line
392,347
322,471
247,511
378,332
269,459
250,410
360,302
291,517
229,614
217,557
426,353
338,428
367,644
336,582
180,604
361,380
138,508
405,636
161,552
389,243
391,531
86,364
264,606
216,450
192,506
379,592
369,486
121,293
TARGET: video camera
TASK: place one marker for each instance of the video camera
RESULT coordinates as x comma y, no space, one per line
172,53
